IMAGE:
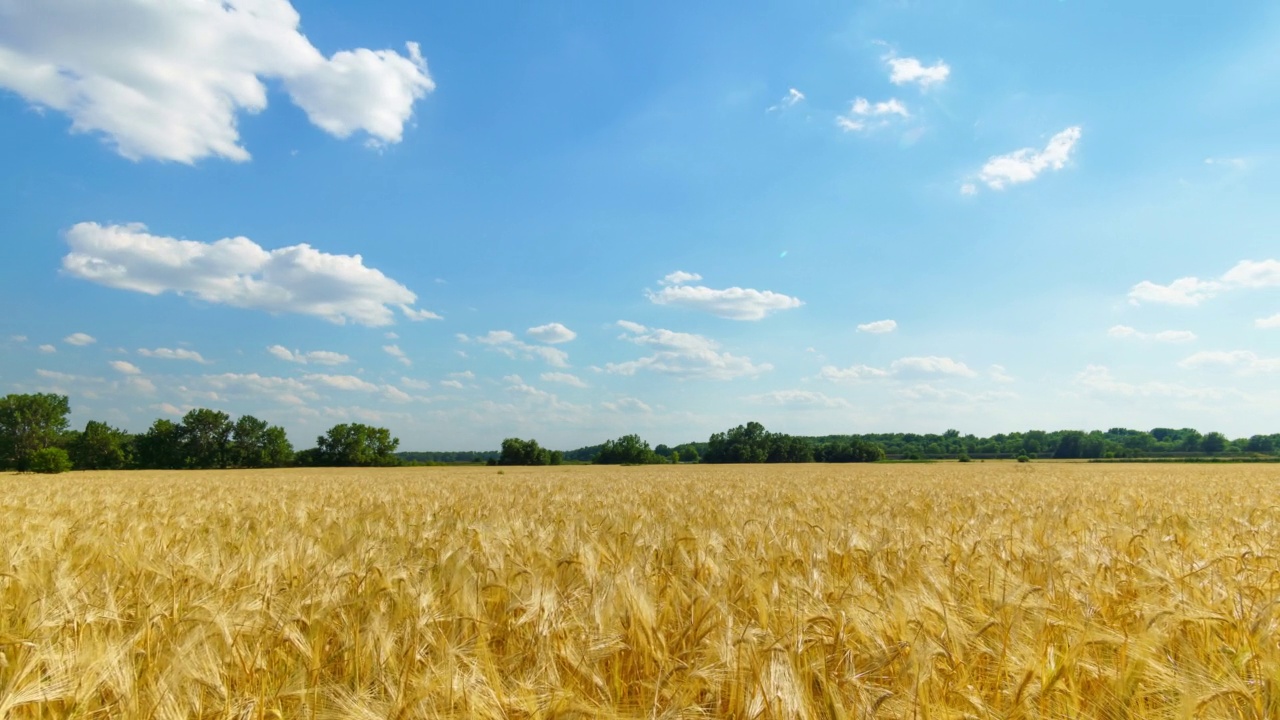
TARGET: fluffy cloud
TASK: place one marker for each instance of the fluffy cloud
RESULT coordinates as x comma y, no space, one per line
792,97
564,379
1188,291
413,384
506,342
342,382
451,383
173,354
79,339
47,349
1169,336
169,80
903,71
684,355
734,303
1267,323
931,393
552,333
289,391
798,399
317,357
1243,361
907,366
395,352
878,327
126,368
1026,164
237,272
866,115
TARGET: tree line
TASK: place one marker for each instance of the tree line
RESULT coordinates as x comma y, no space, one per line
35,436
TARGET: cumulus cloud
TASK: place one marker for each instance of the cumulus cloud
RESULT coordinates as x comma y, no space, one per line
552,333
395,352
47,349
798,399
169,80
734,303
792,98
1187,291
79,339
18,338
451,383
1269,322
342,382
237,272
506,342
1245,362
126,368
315,357
907,70
563,378
683,355
289,391
866,115
1169,336
878,327
173,354
1026,164
907,366
413,384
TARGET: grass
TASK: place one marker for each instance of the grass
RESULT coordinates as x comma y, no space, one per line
980,590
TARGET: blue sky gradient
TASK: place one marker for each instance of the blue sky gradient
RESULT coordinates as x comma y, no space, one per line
1067,210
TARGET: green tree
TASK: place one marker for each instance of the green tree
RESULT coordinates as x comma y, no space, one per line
1213,443
626,450
254,444
160,448
523,452
100,447
205,436
28,424
357,445
50,461
744,444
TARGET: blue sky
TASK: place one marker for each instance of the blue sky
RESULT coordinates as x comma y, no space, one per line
574,220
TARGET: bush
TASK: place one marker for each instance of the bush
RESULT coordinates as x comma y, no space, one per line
50,461
964,457
1023,458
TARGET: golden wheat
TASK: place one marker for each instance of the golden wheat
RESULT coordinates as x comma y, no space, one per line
930,591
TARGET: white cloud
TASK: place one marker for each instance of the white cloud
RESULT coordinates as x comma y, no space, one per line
463,375
1168,336
139,384
1098,379
927,365
126,368
563,378
451,383
342,382
289,391
734,303
1192,290
968,189
1026,164
419,315
317,357
1183,291
866,115
237,272
1235,163
798,399
395,352
878,327
910,70
553,333
391,335
505,342
79,339
792,97
169,80
932,365
1269,322
173,354
1243,361
18,338
413,384
47,349
930,393
627,404
394,394
999,374
684,355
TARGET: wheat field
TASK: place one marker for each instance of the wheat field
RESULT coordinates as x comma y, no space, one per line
982,590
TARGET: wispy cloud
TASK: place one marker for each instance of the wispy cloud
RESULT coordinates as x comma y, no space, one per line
878,327
173,354
1166,336
733,303
316,357
1027,164
792,98
684,355
1246,274
866,115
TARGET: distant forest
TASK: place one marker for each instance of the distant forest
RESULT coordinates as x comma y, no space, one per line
35,436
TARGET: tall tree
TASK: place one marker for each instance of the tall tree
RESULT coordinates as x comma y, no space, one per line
357,445
159,448
255,444
28,424
100,447
205,437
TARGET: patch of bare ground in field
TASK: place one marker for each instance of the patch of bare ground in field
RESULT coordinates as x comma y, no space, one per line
981,590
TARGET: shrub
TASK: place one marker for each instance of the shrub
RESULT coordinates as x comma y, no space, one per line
1023,458
964,457
50,461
